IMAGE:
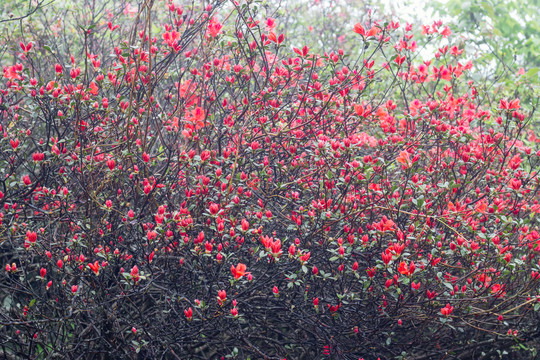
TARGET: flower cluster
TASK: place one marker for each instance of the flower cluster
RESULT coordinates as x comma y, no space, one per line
154,170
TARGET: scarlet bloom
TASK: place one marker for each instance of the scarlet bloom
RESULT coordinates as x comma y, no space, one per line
272,37
26,48
245,225
447,310
94,267
135,273
93,88
386,256
400,59
404,159
431,294
505,105
189,313
305,257
10,72
359,109
238,271
214,208
31,236
14,143
514,184
446,32
334,308
195,119
406,270
214,28
359,29
26,180
222,296
58,68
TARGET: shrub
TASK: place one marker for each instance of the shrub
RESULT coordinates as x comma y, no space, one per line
202,191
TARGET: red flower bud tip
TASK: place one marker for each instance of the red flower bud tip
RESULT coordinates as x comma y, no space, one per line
14,143
214,208
26,180
135,273
189,314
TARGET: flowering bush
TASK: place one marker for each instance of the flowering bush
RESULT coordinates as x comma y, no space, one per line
178,183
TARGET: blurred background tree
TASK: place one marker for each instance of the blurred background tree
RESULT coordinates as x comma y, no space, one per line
504,30
502,37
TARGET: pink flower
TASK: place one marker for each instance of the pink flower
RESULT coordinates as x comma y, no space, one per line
214,28
446,32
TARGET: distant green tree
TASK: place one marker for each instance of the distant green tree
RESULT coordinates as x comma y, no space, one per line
509,28
503,37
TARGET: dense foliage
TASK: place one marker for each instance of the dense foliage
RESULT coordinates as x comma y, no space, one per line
179,183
